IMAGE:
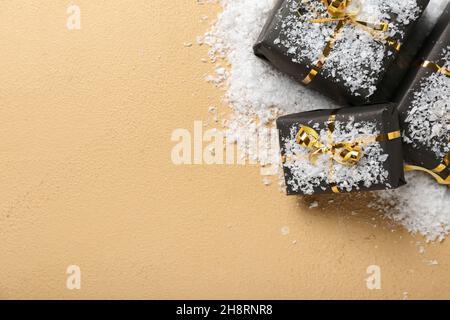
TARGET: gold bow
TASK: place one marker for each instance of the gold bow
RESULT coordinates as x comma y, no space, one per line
437,172
346,153
338,11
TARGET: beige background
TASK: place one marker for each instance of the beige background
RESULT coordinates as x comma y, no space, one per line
87,179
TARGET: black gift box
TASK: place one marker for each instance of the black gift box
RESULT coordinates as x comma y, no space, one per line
363,66
341,150
424,106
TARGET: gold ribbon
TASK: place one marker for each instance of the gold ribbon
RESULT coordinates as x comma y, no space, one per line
338,11
345,153
445,163
437,68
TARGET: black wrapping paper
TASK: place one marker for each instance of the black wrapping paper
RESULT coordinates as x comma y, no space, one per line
420,150
394,65
387,163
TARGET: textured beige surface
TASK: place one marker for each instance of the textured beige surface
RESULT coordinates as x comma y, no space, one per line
86,118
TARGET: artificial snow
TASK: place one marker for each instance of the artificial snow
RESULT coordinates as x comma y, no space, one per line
258,94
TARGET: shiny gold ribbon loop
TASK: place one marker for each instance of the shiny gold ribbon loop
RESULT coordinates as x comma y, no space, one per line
346,153
307,137
338,11
436,172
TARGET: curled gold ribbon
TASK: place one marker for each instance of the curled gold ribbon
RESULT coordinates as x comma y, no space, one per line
338,11
437,172
345,153
436,176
